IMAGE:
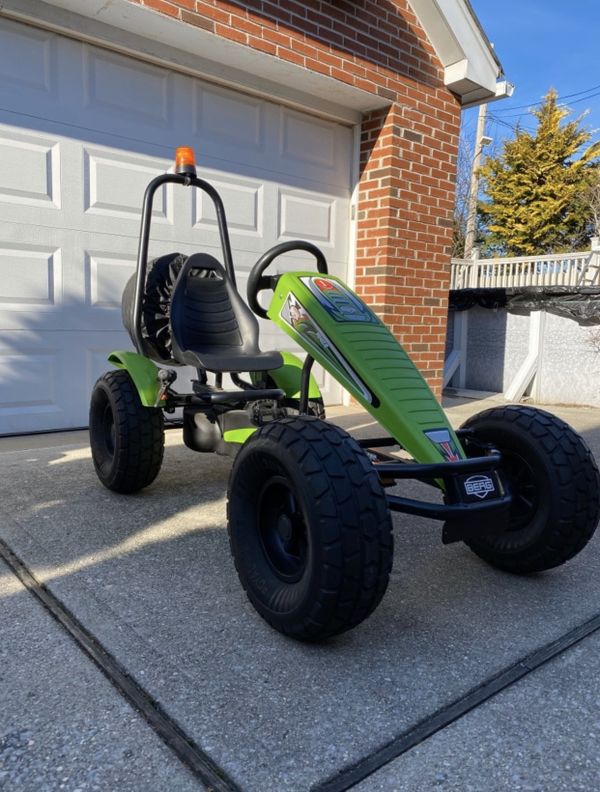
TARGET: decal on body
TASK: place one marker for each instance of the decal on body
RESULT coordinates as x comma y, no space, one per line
443,441
297,317
339,302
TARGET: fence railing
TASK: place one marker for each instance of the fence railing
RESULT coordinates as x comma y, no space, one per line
559,269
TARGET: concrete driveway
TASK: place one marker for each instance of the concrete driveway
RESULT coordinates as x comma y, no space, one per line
445,687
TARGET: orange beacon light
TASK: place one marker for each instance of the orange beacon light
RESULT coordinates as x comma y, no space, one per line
185,161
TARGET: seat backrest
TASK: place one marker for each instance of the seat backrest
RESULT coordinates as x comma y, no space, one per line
207,313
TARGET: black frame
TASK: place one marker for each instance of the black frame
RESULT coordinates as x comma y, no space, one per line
462,518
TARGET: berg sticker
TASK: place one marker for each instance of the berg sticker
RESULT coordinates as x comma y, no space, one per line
297,317
339,302
480,486
443,441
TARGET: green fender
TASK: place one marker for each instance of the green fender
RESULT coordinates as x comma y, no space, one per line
239,436
142,371
288,377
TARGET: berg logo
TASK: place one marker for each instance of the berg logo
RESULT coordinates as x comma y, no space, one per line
479,485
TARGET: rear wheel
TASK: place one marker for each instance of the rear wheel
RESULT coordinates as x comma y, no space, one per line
309,528
555,486
126,438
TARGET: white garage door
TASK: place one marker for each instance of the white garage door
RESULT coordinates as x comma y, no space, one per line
82,131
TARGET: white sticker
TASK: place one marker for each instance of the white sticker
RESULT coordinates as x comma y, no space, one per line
479,485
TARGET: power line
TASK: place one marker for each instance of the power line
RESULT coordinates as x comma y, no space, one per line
561,104
566,96
585,98
512,127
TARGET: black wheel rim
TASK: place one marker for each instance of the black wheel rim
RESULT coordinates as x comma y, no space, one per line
109,430
524,490
282,529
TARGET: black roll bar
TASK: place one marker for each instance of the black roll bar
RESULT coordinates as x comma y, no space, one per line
187,180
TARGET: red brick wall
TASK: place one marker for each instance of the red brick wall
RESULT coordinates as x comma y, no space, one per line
408,152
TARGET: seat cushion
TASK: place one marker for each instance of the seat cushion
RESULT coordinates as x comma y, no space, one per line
211,326
230,360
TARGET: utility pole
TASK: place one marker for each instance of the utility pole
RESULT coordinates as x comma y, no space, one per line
480,142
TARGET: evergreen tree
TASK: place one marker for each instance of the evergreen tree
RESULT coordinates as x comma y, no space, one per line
535,187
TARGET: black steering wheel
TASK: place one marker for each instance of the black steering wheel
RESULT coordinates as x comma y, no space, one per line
258,282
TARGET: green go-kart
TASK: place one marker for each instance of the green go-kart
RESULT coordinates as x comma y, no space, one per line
309,506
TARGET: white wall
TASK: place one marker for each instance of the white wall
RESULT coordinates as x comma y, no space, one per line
569,368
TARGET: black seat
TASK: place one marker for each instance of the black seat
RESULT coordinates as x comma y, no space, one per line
211,326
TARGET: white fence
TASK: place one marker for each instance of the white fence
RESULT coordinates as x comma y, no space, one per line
560,269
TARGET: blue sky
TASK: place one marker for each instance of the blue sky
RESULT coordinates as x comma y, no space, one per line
542,43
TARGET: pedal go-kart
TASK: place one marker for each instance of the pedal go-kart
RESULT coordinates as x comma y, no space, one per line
308,514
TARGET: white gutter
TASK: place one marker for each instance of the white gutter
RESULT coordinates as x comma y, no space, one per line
472,70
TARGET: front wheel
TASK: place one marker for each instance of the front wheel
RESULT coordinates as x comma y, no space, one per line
126,438
309,528
555,485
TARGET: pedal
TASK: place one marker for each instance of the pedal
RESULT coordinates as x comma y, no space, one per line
264,411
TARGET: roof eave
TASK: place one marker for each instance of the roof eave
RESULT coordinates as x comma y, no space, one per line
472,69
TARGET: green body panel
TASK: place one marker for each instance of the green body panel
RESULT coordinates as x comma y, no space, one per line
361,353
239,435
142,371
288,377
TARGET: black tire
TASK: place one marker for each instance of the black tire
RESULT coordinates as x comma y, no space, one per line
127,439
556,489
309,528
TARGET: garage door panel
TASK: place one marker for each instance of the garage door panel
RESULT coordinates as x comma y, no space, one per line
243,202
318,218
33,396
128,90
39,281
29,380
106,276
114,184
19,45
225,119
29,170
305,216
37,277
315,146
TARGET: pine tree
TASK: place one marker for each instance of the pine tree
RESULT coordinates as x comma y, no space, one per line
535,187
